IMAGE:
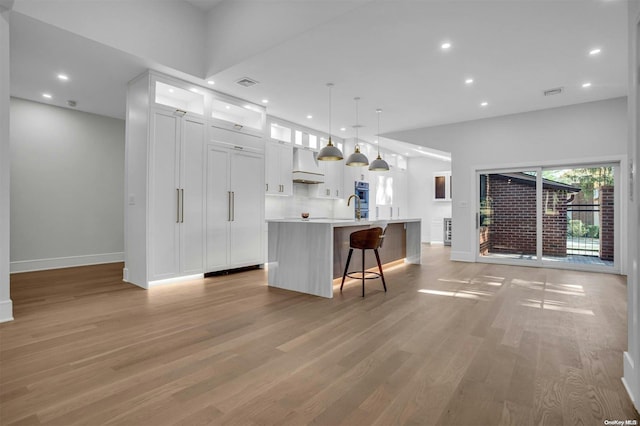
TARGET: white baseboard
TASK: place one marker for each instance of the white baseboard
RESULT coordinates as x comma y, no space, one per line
629,381
462,256
6,310
65,262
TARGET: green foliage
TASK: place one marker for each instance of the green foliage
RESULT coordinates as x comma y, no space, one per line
588,179
593,231
576,228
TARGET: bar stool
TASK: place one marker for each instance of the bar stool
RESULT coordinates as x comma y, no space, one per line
367,239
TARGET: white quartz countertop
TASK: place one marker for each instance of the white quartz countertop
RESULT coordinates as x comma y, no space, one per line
343,222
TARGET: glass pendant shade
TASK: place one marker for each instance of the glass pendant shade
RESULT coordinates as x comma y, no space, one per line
357,159
330,152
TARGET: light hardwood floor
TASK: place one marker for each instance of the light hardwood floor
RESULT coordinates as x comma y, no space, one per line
449,344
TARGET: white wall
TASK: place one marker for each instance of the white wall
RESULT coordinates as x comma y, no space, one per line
237,30
632,356
421,200
67,186
6,307
589,131
171,33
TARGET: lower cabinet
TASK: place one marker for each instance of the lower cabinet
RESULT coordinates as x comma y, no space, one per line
234,206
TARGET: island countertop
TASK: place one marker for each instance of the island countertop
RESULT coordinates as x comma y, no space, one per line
307,255
343,222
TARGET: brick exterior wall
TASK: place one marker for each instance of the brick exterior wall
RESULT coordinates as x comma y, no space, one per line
606,223
513,222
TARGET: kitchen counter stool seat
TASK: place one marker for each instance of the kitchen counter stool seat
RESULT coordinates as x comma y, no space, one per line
367,239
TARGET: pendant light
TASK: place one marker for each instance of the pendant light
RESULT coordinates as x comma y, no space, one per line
330,152
357,159
379,165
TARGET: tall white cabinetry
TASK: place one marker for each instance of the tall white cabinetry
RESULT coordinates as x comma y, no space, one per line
176,208
234,201
170,126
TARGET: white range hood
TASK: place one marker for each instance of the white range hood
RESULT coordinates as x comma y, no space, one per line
305,167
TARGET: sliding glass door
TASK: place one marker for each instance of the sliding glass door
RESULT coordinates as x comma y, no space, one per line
507,215
548,216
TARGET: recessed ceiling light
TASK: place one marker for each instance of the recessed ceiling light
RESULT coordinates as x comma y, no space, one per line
265,101
194,90
227,107
594,51
309,116
343,129
484,104
585,85
211,82
445,46
46,95
468,81
63,77
171,90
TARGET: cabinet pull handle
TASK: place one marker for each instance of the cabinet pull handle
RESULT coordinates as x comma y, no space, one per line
238,147
267,187
180,112
177,205
228,206
233,206
181,205
238,126
391,212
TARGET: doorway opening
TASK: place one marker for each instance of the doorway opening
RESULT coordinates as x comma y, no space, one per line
553,216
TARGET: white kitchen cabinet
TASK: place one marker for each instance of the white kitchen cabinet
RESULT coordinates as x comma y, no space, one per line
234,205
333,186
164,214
237,115
175,196
278,165
169,122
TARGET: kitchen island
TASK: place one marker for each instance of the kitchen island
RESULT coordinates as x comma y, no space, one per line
307,255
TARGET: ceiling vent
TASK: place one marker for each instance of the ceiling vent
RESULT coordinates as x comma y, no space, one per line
247,82
555,91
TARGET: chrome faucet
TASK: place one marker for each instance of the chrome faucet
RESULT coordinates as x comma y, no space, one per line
358,211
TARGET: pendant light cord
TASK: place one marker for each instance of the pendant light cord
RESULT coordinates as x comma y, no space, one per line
378,111
357,99
330,86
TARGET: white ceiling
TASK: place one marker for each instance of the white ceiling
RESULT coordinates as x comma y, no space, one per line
386,52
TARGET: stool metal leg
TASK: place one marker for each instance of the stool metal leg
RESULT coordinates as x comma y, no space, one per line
363,274
346,268
380,268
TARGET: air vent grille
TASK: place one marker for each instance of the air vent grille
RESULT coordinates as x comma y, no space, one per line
247,82
555,91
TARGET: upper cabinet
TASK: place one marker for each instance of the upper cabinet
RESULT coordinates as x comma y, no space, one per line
235,114
178,96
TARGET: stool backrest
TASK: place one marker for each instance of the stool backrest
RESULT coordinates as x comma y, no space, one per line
366,239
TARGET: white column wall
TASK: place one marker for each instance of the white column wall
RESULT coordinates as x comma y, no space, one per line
631,377
422,201
6,307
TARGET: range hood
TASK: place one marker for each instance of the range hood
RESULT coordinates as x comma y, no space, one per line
305,167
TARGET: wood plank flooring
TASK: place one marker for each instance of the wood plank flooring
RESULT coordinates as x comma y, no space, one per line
449,344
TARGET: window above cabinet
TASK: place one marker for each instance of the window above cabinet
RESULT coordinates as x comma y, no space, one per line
237,115
280,132
179,98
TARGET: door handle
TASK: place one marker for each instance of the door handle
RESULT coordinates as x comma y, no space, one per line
177,205
181,205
